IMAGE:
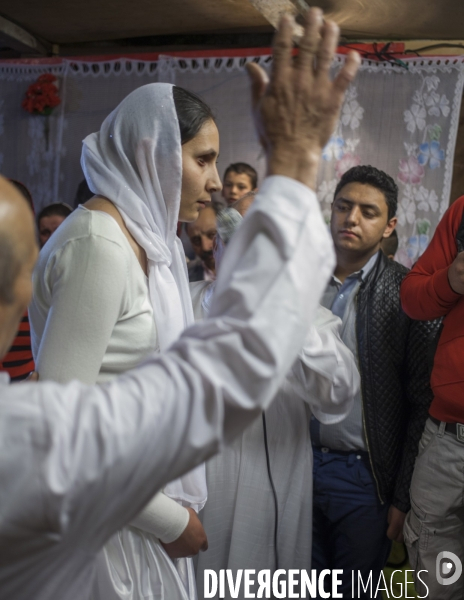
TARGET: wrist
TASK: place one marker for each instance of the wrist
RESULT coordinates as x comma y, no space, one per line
295,163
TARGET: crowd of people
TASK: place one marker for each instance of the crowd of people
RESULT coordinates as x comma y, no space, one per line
166,328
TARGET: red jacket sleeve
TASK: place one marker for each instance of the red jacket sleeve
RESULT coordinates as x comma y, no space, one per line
425,292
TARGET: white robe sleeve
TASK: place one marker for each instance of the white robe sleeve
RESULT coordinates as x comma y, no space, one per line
325,374
79,462
163,517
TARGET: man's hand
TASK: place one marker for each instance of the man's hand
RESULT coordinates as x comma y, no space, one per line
395,520
191,542
297,110
456,274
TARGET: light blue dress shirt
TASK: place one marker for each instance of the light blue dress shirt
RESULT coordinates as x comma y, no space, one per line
340,298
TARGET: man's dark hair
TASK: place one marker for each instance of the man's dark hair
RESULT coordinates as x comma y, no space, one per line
244,168
192,113
389,245
59,209
376,178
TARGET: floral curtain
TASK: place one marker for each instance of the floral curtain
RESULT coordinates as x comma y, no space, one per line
400,119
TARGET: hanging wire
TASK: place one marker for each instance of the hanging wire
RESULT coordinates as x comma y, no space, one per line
434,47
382,54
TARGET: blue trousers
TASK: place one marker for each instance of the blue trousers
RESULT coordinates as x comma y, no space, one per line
349,522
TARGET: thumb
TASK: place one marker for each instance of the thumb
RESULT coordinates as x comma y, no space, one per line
204,547
33,376
259,81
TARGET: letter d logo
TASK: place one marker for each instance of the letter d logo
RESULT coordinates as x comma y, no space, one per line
449,568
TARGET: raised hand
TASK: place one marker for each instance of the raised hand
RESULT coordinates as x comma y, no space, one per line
296,110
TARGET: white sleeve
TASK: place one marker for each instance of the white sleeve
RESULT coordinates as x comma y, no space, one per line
87,279
325,374
94,456
163,517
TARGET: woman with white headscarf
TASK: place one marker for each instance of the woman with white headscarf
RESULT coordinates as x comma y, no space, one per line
111,286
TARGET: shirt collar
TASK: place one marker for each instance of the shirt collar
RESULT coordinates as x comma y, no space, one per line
362,273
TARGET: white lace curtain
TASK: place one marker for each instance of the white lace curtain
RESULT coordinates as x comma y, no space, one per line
403,121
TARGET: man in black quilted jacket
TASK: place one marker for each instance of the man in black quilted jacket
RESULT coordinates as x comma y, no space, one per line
363,466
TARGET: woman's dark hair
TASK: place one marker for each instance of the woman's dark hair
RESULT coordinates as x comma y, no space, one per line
59,209
192,113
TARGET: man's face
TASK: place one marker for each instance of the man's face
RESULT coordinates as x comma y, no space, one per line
235,186
360,219
47,225
202,233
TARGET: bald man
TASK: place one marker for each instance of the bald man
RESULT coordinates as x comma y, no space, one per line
79,462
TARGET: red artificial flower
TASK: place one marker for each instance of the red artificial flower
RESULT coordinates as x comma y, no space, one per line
46,78
42,96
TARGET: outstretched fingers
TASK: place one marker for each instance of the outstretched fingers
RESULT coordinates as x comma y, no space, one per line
327,48
259,82
309,42
346,75
282,52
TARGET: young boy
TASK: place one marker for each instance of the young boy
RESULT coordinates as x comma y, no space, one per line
239,179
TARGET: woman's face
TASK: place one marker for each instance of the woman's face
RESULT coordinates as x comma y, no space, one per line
200,177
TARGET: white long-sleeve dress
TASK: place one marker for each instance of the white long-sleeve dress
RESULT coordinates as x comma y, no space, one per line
92,319
239,516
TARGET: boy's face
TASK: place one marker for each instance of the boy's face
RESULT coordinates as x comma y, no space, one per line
235,186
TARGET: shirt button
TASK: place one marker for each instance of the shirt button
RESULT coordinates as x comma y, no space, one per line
341,296
325,450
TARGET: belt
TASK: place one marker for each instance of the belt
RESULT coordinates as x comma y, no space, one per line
325,450
456,429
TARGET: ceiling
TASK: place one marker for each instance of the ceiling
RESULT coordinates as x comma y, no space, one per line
85,26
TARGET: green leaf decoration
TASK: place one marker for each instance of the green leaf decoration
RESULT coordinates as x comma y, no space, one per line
423,226
435,132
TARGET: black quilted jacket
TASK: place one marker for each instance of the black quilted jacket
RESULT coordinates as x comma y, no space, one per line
396,395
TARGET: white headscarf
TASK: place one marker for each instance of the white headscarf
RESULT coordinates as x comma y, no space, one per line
135,161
